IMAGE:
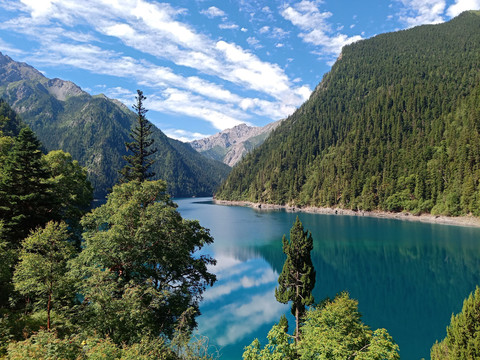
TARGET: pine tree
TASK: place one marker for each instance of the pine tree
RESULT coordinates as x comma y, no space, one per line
297,279
138,164
25,196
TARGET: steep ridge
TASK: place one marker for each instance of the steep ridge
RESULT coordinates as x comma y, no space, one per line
393,126
229,146
94,129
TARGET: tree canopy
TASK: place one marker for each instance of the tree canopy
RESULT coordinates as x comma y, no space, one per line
139,264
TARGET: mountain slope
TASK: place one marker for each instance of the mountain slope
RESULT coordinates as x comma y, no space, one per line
94,129
229,146
393,126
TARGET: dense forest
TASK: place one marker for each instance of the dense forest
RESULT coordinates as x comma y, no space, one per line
393,126
94,129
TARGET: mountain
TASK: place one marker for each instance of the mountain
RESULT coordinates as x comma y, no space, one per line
229,146
93,129
393,126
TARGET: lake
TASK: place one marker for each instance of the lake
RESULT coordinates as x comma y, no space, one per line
408,277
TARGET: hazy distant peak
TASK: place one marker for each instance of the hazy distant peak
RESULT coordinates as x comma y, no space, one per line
230,145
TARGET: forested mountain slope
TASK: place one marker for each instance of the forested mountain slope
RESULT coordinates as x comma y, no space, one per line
393,126
93,129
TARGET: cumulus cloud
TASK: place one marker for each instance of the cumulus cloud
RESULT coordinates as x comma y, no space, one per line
212,12
315,28
462,5
418,12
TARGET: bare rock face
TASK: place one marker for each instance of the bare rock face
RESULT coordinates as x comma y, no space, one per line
229,146
62,90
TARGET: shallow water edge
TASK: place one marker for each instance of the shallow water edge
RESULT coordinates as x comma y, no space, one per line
471,221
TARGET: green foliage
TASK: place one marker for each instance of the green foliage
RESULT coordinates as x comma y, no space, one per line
337,332
297,280
280,346
138,164
10,123
463,333
25,195
47,346
138,265
333,330
40,272
394,126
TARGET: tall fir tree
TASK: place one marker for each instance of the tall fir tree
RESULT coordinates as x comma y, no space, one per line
138,164
297,280
25,195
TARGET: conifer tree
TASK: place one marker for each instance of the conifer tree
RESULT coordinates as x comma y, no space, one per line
297,279
25,196
138,164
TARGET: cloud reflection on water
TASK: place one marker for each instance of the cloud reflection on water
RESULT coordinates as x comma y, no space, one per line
240,302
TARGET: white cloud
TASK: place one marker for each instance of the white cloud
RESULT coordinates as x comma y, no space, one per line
228,26
212,12
264,29
176,101
243,29
254,42
418,12
183,135
462,5
152,28
315,29
8,48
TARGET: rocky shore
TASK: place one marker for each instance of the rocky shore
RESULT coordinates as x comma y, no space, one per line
427,218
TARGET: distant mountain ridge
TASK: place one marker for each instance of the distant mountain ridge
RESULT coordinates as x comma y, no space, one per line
394,126
229,146
94,130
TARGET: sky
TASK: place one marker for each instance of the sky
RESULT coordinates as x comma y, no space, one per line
204,65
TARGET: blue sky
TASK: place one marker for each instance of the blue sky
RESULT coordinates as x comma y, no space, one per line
204,65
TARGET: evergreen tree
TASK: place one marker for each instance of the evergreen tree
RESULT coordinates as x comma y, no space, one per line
25,196
138,164
297,279
463,333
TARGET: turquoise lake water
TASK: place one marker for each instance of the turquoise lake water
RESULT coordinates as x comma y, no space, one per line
408,277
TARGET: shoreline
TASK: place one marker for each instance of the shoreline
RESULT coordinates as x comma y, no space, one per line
468,221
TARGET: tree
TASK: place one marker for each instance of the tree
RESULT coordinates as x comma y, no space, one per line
139,272
297,279
332,330
138,164
40,272
73,193
25,195
463,333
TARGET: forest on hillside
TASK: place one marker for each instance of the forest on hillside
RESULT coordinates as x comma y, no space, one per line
393,126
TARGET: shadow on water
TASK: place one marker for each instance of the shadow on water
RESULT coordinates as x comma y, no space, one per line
408,277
